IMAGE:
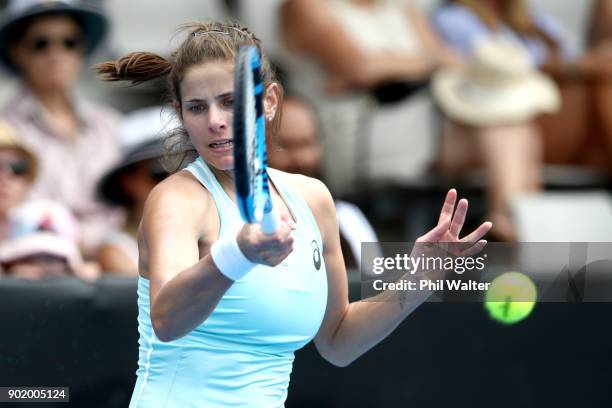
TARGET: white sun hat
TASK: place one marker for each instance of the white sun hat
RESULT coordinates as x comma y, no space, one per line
500,86
141,135
41,227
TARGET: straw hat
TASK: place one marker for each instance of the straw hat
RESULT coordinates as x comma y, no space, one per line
500,86
8,141
92,20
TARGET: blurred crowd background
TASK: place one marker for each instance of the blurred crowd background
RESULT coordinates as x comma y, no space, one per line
391,103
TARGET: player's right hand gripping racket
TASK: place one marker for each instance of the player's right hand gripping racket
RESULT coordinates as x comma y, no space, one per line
250,160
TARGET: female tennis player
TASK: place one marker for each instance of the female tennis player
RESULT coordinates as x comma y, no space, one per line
223,306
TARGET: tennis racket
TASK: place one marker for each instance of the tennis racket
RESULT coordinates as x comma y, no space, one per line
250,160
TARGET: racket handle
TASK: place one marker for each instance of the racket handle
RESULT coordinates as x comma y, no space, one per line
270,222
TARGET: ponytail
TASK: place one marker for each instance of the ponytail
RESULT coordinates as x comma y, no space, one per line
137,67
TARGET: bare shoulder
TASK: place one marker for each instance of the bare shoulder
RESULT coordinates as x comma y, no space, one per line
310,9
301,17
178,196
178,213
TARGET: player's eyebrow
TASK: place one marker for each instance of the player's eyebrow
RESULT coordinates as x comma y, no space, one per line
220,96
225,95
196,100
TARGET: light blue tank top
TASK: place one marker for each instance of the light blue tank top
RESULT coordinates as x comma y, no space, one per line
242,355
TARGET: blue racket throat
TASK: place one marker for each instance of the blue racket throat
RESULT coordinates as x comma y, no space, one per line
250,158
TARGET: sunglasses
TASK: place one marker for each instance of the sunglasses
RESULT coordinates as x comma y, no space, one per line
16,167
41,44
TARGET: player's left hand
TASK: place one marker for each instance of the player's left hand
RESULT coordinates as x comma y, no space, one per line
445,237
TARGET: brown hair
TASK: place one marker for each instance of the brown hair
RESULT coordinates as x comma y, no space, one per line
205,42
516,14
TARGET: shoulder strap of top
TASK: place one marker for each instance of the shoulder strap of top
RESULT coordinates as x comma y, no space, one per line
200,170
296,201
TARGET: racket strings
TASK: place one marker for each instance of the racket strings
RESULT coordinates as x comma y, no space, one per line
249,144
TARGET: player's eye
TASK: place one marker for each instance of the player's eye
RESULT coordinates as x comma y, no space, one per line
197,108
228,102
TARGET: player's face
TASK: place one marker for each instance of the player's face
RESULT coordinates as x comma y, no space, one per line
207,94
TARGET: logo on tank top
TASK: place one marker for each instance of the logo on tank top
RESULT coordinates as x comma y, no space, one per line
316,254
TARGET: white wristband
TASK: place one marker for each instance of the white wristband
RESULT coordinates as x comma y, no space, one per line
230,260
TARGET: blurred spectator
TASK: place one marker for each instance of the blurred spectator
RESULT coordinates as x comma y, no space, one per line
43,43
18,170
129,182
348,56
578,133
37,238
492,105
463,22
42,242
296,149
581,132
600,30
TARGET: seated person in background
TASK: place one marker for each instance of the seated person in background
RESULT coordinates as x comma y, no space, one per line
580,132
18,170
43,44
491,107
42,243
296,149
37,238
338,34
129,182
344,55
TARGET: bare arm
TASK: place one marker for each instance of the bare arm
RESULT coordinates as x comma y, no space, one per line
593,64
350,329
600,29
112,259
310,27
184,289
596,60
431,41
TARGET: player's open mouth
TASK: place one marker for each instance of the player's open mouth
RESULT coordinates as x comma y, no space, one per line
222,145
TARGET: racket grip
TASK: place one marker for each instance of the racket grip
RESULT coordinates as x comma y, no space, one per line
270,222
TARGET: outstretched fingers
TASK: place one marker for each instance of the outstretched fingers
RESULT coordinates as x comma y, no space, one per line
474,249
478,233
436,234
459,218
448,207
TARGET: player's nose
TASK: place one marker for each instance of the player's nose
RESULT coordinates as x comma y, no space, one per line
216,119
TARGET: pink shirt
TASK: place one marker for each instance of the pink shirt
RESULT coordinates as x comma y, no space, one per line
68,171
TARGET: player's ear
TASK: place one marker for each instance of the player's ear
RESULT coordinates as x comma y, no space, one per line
271,100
